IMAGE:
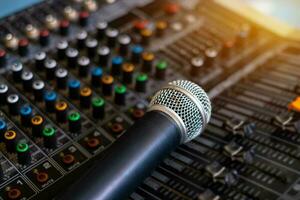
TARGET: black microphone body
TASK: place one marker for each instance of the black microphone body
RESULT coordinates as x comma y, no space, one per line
129,160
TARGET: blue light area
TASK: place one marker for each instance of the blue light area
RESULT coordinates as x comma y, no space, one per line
284,10
8,7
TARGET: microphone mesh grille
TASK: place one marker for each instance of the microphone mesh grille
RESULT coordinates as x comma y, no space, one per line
184,106
198,92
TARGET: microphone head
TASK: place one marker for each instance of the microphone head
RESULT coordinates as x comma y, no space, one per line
187,104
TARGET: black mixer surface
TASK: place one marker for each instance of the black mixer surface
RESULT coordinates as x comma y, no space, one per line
74,75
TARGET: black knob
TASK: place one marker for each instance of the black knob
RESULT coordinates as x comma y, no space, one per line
50,66
38,87
91,45
3,58
13,102
197,65
124,42
61,48
61,75
17,69
111,34
72,56
64,27
27,80
23,153
23,47
101,28
44,37
96,76
3,94
81,37
83,66
84,18
103,55
40,58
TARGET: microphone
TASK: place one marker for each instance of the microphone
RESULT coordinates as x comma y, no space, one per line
177,114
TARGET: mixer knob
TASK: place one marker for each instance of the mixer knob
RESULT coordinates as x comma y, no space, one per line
81,38
3,128
197,65
26,114
124,42
98,105
107,85
138,111
74,88
284,121
101,28
23,153
220,174
11,42
141,83
140,25
49,136
127,73
17,70
111,34
10,140
61,75
86,97
84,18
72,56
3,94
3,58
50,66
148,59
161,27
146,36
38,87
13,102
23,47
50,98
240,127
160,69
70,13
27,80
32,32
116,67
136,53
103,55
237,153
227,48
91,45
172,8
96,76
61,47
61,108
211,56
74,120
51,22
40,58
120,95
83,66
64,27
37,124
44,37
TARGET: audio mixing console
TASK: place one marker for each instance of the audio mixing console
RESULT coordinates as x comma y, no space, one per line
75,74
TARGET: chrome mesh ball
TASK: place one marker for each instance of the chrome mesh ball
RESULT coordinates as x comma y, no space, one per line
186,103
198,92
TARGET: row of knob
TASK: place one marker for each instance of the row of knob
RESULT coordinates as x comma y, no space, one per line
104,32
74,86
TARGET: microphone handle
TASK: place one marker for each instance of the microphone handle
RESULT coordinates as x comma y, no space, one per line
129,160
